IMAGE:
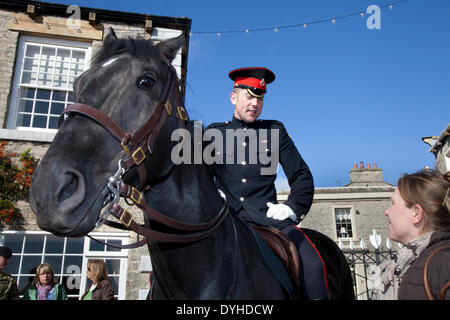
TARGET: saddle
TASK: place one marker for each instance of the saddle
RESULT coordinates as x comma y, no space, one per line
283,248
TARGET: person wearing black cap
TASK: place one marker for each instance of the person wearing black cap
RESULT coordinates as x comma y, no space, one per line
8,285
249,185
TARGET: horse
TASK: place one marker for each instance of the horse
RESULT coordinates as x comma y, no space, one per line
198,249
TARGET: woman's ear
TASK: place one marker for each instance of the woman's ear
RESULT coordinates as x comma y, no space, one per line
417,213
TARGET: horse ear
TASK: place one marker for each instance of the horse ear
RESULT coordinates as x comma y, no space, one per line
170,47
110,36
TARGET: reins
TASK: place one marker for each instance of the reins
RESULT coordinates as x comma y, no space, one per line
137,148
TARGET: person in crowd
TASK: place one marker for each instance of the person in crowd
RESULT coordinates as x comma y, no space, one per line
44,285
101,288
419,218
8,285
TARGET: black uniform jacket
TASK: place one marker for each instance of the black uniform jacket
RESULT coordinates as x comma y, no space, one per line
249,165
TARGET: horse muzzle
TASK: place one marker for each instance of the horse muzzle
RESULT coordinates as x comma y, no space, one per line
58,202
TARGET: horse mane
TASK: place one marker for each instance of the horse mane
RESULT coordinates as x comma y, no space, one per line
140,48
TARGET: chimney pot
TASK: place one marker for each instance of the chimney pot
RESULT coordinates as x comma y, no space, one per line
361,165
355,166
375,165
368,166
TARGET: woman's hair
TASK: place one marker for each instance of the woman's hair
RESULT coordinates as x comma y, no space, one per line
429,189
98,269
44,267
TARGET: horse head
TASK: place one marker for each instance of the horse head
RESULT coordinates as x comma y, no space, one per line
124,84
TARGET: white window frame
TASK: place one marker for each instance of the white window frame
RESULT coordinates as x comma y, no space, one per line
352,222
35,134
121,255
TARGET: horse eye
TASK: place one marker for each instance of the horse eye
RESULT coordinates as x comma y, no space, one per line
144,81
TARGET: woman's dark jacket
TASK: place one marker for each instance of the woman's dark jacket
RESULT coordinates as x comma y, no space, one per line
412,285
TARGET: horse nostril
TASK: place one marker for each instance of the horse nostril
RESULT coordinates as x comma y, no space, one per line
69,186
71,191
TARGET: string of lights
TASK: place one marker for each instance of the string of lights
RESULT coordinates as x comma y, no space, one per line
333,20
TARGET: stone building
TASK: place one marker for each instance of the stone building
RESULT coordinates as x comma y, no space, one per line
44,48
351,212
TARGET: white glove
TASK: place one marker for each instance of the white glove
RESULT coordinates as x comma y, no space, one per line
280,212
222,194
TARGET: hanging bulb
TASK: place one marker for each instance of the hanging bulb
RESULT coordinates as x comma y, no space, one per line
362,14
305,25
219,34
390,7
276,29
247,31
190,34
333,20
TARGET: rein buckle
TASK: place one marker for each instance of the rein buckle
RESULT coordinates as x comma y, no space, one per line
168,107
182,113
138,156
135,195
126,214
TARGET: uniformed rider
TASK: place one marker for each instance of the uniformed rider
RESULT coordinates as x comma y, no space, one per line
245,171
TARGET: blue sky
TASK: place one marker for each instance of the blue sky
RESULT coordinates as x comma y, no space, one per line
345,93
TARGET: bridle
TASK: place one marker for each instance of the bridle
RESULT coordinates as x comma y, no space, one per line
137,148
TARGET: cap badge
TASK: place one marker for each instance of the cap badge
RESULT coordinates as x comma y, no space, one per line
262,83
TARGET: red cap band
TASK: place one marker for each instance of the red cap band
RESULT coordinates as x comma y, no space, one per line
251,82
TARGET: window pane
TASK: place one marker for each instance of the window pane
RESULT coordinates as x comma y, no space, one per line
13,265
39,122
116,242
34,243
63,55
48,53
75,245
43,94
55,262
59,95
115,284
70,97
30,64
23,120
73,263
113,266
23,283
78,56
96,246
57,108
32,51
53,123
29,263
41,107
27,93
54,244
25,105
14,242
29,77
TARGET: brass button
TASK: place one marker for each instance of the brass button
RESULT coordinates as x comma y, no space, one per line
242,199
244,180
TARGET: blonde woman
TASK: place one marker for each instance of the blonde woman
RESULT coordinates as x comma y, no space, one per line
101,288
418,218
44,286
